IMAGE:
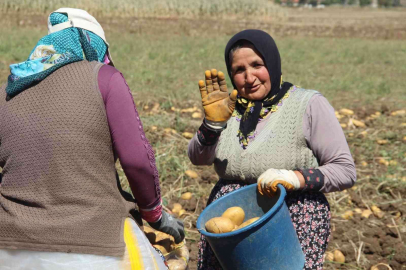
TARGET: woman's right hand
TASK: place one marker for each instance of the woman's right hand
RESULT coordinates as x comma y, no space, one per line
218,105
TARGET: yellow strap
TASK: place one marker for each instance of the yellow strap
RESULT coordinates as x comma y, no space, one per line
132,246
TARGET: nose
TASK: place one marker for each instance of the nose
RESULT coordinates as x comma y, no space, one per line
249,77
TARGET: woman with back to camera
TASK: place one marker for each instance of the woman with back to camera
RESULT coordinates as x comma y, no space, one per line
66,115
271,132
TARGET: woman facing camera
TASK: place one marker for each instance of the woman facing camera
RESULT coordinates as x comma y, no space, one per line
269,132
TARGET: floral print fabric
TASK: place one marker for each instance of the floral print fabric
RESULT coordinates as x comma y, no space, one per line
310,214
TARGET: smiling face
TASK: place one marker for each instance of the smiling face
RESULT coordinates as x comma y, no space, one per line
249,73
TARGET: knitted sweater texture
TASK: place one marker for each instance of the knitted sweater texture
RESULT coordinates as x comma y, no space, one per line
59,190
280,144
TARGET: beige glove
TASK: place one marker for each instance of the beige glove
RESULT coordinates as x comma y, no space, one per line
270,178
217,104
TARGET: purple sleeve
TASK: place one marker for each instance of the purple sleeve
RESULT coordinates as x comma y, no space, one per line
200,154
129,142
326,138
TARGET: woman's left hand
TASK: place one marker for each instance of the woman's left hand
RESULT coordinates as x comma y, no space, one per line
170,225
268,181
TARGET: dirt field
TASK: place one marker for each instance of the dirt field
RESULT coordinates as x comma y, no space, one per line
379,147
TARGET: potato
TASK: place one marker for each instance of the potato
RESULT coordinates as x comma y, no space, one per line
186,196
235,214
219,225
329,256
163,236
176,207
176,264
339,256
182,252
181,212
358,210
366,213
346,111
191,174
348,214
248,222
380,266
377,212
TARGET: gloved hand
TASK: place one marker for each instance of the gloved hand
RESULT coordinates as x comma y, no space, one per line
270,178
217,104
170,225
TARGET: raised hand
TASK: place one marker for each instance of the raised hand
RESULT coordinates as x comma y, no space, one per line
218,105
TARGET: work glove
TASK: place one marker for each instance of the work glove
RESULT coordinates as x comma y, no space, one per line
170,225
270,178
218,105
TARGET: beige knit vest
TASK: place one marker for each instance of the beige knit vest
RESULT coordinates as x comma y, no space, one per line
280,144
59,190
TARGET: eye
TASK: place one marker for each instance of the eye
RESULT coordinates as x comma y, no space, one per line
257,65
238,70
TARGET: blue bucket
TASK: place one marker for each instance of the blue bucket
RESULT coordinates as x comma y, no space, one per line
268,243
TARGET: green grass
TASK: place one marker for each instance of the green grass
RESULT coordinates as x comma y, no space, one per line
166,68
149,8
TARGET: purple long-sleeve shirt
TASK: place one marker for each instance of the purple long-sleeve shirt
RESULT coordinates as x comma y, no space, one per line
324,136
129,142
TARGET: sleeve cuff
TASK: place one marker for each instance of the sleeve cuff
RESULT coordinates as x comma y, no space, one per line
207,135
215,125
151,215
314,179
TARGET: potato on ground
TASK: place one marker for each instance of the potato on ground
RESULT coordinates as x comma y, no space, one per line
339,256
235,214
219,225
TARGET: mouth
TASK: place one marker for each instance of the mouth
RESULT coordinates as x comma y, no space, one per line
253,88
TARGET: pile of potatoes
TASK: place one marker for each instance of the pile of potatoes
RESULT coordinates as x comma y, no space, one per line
231,220
177,255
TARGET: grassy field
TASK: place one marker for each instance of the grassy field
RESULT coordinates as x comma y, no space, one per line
149,8
355,57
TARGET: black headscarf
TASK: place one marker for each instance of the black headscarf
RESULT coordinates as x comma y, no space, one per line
266,46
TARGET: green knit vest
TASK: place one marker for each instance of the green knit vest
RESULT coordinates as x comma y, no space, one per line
280,144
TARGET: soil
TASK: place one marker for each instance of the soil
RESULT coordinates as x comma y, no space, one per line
380,240
330,22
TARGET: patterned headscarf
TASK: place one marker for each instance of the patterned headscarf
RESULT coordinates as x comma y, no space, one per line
54,51
254,110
